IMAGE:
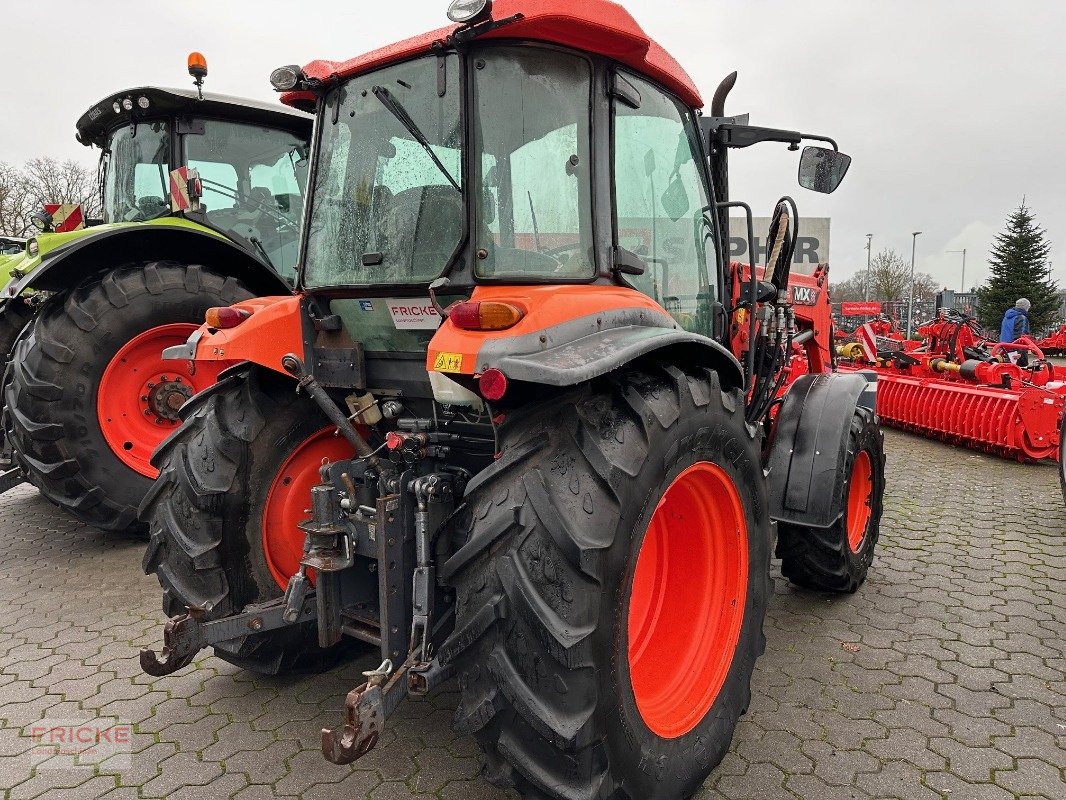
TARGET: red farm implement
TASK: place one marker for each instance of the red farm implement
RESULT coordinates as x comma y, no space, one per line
1054,344
1005,399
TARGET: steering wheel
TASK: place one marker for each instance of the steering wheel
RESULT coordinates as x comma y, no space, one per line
146,208
507,259
239,197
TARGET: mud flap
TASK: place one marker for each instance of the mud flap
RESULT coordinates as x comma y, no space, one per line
810,441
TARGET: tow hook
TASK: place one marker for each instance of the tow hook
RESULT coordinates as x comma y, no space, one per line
187,634
366,709
182,640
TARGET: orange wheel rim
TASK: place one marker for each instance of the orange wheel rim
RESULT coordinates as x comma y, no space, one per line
686,607
860,495
289,498
139,395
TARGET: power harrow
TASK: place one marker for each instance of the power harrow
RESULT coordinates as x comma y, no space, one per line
1054,344
1005,399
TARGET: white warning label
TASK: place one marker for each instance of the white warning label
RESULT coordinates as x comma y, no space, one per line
413,314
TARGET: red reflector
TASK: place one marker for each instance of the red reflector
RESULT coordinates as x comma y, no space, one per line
227,317
493,384
465,316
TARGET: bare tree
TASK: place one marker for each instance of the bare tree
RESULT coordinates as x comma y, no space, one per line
16,202
848,290
926,287
890,277
44,180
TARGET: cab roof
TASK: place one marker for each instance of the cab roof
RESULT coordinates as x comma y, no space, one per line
95,124
599,27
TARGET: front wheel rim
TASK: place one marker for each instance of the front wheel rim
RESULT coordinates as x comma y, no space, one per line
687,600
860,497
139,394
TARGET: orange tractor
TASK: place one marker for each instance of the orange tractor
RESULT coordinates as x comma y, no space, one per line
501,432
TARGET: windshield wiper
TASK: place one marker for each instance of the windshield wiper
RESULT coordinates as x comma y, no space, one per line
259,246
396,108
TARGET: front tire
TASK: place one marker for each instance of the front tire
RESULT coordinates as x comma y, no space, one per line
612,589
838,558
234,480
89,397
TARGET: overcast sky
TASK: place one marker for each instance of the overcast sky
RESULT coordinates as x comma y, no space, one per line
952,110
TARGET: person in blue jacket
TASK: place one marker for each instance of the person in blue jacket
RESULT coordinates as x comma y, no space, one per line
1015,322
1016,325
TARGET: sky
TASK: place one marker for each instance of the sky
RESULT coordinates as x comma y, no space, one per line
953,111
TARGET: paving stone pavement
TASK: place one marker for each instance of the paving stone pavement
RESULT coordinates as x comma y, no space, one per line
942,678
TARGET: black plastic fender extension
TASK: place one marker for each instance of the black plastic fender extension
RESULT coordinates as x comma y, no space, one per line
587,347
807,482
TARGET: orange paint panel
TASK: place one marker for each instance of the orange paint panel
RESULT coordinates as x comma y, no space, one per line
543,307
270,333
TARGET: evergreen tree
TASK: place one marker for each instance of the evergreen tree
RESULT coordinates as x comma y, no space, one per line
1019,268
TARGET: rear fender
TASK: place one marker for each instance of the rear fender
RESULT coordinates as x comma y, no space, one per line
273,330
571,334
807,480
89,252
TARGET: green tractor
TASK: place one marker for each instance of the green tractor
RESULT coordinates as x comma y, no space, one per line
202,200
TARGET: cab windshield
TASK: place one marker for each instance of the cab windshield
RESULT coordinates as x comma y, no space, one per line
389,197
534,199
388,201
136,172
253,185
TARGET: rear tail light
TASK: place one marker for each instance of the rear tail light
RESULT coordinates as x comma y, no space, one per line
484,315
227,317
492,384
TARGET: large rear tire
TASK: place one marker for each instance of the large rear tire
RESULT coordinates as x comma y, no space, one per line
612,588
88,396
838,558
233,482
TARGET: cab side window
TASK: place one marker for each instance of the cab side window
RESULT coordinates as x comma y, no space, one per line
661,205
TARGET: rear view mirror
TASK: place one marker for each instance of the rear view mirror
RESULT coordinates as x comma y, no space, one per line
675,200
822,170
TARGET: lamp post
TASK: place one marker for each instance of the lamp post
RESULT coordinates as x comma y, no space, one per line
963,251
866,281
910,301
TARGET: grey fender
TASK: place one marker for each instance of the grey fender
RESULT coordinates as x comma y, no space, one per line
69,265
807,480
587,347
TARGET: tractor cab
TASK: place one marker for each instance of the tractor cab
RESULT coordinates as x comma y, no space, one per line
248,159
487,162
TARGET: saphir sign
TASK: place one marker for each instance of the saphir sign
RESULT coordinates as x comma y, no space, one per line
812,246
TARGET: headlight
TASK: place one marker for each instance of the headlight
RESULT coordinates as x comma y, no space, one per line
116,106
142,101
41,220
468,11
33,248
127,104
285,79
